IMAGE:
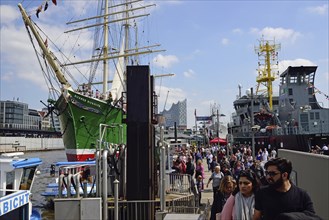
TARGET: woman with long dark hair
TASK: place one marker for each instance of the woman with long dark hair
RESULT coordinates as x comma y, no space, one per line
240,205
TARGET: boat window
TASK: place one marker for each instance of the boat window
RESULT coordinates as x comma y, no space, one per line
10,181
310,90
290,91
312,101
27,178
312,115
293,79
304,121
311,77
317,115
283,80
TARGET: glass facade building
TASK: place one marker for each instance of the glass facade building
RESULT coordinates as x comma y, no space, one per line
177,113
17,115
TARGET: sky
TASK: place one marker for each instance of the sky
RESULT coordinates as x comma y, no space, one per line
210,47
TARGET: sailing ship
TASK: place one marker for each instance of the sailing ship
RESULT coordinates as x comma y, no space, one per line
293,120
83,108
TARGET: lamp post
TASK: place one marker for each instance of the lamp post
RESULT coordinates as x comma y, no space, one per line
252,123
217,123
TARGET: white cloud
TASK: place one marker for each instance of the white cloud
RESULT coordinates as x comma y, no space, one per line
165,61
321,10
9,76
8,14
237,31
172,2
175,95
279,34
34,77
283,65
207,102
189,73
225,41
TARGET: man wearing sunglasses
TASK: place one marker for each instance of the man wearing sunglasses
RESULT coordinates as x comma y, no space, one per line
281,199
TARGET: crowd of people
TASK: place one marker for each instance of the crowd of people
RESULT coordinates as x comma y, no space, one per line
86,90
318,150
247,188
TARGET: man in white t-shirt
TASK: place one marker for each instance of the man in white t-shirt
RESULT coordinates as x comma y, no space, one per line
273,153
265,155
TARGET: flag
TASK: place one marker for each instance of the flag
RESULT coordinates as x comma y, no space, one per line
39,10
46,42
54,1
46,6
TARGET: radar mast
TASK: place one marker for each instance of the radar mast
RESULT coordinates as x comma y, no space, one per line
267,67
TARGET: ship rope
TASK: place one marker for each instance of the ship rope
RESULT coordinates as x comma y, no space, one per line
65,57
316,90
46,72
88,131
59,50
67,124
45,75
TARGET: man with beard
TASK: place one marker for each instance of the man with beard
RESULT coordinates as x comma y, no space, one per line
281,199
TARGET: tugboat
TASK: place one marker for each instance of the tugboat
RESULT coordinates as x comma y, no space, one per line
293,120
16,180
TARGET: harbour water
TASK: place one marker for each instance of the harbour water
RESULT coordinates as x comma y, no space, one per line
41,181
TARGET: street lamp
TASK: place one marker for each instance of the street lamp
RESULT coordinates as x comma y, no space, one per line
218,115
252,123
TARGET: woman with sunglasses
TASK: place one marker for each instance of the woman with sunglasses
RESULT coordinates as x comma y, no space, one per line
240,205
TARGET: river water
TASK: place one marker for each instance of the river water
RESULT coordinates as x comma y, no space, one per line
41,181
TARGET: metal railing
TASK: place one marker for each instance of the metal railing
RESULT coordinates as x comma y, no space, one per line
130,210
184,201
177,183
146,209
186,204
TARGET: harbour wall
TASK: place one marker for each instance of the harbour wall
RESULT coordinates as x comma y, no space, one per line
311,172
10,144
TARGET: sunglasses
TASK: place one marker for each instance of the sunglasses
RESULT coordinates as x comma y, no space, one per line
271,173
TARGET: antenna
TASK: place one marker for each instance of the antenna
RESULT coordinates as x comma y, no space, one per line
267,62
239,86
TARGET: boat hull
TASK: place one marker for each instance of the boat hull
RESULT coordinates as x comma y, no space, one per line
298,142
80,117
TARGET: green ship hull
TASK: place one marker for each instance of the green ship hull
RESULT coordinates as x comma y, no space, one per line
80,118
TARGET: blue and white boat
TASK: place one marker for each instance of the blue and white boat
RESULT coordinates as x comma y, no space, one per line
76,176
16,180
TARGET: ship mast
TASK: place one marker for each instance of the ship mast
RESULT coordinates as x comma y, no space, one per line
267,63
105,49
48,55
